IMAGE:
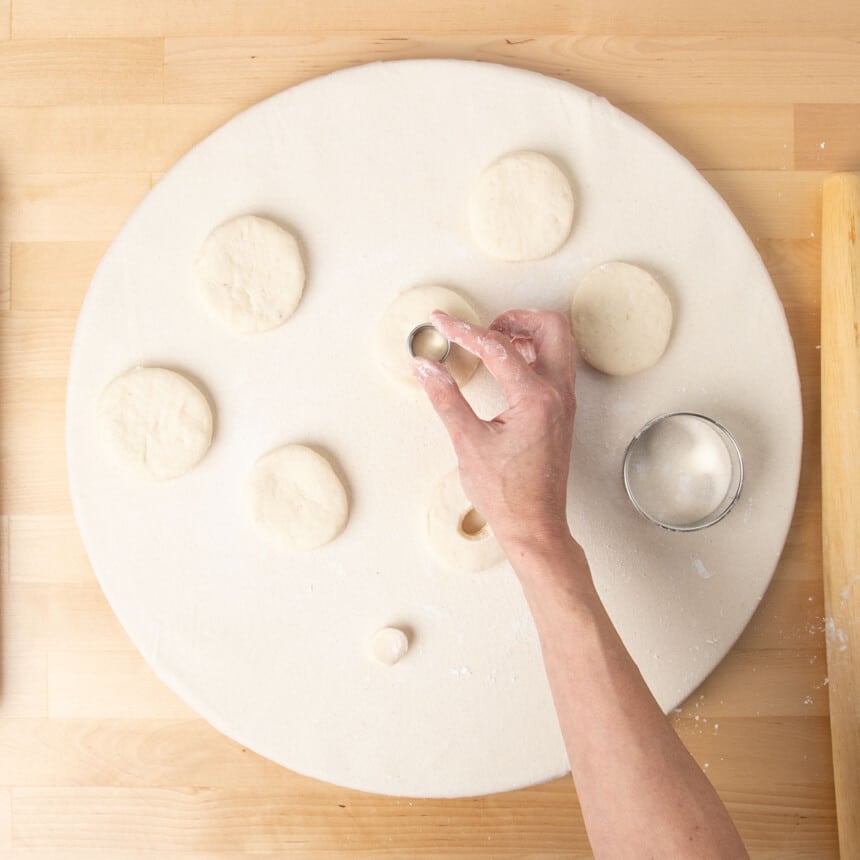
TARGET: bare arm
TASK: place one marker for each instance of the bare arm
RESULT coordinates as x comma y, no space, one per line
642,794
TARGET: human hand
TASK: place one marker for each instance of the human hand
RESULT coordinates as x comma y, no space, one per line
514,468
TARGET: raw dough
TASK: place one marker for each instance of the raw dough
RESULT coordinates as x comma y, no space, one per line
156,422
521,207
411,308
297,497
459,535
621,318
251,273
388,645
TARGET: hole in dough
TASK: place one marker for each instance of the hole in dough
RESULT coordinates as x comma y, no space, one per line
460,538
473,526
251,274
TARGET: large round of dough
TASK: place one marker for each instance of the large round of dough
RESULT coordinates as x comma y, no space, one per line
297,498
410,309
156,422
251,274
621,318
459,536
521,207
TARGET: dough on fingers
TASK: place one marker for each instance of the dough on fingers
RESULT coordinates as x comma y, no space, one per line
621,318
297,498
251,274
459,536
521,207
155,422
413,308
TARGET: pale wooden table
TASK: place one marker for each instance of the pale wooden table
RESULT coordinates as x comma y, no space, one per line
97,99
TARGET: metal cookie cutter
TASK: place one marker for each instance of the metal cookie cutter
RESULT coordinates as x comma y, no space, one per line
437,346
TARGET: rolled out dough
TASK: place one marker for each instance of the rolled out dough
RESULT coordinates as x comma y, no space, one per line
297,497
521,207
621,318
459,536
251,274
372,163
410,309
156,422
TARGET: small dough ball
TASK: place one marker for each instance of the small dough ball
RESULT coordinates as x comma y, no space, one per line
388,645
297,497
157,423
251,274
621,318
460,537
410,309
521,207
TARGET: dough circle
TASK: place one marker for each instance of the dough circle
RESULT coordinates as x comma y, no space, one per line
251,274
156,422
410,309
521,207
388,645
297,498
621,318
460,538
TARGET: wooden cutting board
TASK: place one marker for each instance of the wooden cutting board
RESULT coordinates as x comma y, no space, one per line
97,99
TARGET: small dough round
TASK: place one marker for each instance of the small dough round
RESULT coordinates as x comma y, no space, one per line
459,536
388,645
621,318
410,309
297,498
521,207
251,274
156,422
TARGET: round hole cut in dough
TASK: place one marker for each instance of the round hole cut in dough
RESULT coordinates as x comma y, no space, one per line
251,274
297,498
460,538
388,645
521,207
156,422
621,318
410,309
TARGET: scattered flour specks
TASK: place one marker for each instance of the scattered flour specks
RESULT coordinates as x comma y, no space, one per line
700,569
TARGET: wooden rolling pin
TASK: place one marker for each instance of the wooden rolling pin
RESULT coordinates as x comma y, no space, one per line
840,484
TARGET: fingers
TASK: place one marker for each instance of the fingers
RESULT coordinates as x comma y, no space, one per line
495,349
549,332
446,397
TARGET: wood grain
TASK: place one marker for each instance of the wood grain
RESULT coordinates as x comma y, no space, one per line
708,69
84,18
85,71
840,472
97,99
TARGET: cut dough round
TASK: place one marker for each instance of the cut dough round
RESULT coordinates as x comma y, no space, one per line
410,309
388,645
521,207
621,318
297,497
251,273
157,423
459,535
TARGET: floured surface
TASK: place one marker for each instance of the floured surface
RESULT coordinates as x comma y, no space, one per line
372,167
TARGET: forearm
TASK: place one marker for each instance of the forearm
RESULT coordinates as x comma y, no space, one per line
641,792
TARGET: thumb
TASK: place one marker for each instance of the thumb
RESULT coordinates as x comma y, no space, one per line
446,397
